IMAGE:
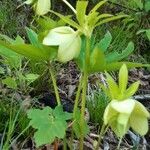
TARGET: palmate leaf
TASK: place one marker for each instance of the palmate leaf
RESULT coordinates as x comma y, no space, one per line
50,124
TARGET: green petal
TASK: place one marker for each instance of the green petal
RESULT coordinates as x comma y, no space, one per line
42,7
69,49
118,129
58,36
139,119
141,110
139,124
122,124
125,106
123,78
109,115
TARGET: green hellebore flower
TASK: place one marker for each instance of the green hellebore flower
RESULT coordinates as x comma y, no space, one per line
67,39
121,115
41,6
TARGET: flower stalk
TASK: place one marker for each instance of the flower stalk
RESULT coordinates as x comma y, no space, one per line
54,85
84,84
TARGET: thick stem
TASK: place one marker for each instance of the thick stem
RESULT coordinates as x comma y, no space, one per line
84,88
55,86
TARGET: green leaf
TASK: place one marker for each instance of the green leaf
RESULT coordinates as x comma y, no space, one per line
31,77
33,37
123,78
46,23
139,3
18,40
110,19
50,124
81,11
131,90
66,19
2,70
5,37
104,16
31,51
81,58
10,82
98,5
97,60
147,6
105,90
148,34
115,56
13,59
116,65
105,42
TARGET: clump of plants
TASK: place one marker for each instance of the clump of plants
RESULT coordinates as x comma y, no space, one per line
72,39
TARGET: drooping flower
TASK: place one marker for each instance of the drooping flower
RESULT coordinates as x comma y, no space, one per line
67,39
41,7
121,115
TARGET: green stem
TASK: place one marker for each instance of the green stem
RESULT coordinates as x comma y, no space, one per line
77,97
55,86
70,6
84,88
100,137
83,109
75,108
120,140
64,143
